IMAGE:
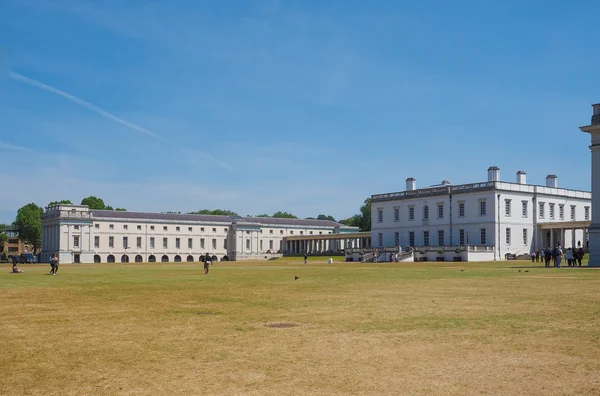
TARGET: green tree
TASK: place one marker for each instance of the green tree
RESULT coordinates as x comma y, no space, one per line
63,202
108,207
4,227
29,224
283,215
361,220
216,212
121,210
324,217
261,215
3,239
94,203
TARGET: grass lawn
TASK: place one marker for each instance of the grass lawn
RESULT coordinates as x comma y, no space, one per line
340,329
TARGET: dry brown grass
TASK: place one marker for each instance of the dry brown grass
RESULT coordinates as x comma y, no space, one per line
401,329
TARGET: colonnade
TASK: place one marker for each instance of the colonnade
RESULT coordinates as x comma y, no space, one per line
565,237
325,245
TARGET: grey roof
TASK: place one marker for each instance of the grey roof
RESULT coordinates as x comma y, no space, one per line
212,218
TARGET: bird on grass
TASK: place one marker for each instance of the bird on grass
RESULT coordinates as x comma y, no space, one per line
526,270
462,270
296,277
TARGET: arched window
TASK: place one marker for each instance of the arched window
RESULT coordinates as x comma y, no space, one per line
138,259
214,258
190,259
425,212
124,258
97,258
110,258
165,259
178,259
152,259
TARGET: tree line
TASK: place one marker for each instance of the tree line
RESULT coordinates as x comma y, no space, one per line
28,221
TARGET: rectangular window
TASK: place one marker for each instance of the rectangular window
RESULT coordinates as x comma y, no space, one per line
291,232
214,230
201,229
271,231
225,243
96,226
396,214
190,229
139,228
111,226
177,243
225,230
139,242
461,237
541,210
261,245
177,228
482,236
311,233
75,241
411,213
96,241
165,243
507,207
214,243
247,243
397,239
201,243
561,212
380,239
440,211
551,209
164,228
482,208
572,212
524,209
271,244
301,232
125,242
425,212
411,238
190,243
426,238
587,212
76,227
125,226
280,232
151,228
524,236
461,209
508,236
151,242
440,237
379,215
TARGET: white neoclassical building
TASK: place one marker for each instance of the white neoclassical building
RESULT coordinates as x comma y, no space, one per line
493,217
594,130
80,235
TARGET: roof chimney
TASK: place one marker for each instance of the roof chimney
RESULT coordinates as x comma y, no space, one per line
411,184
493,173
552,181
521,177
596,116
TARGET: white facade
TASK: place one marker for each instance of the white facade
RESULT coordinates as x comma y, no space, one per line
80,235
494,215
594,130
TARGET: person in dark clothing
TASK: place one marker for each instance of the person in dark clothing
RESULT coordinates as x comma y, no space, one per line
54,264
305,257
580,255
547,256
207,263
537,256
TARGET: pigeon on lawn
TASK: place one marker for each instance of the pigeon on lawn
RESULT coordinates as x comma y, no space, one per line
296,277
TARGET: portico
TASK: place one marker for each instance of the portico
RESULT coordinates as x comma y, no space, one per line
566,234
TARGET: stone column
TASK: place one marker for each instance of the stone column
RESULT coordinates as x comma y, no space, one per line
594,231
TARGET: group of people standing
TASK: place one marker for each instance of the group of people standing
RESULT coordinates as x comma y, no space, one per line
556,255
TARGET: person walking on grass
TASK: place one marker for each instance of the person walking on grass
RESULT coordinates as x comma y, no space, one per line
559,256
207,263
305,257
580,255
547,256
54,264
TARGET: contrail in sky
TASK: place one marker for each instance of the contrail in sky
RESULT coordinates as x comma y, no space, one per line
81,102
98,110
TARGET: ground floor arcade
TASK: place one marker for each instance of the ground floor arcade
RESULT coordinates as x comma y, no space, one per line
323,244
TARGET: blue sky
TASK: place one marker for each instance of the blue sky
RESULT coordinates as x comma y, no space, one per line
301,106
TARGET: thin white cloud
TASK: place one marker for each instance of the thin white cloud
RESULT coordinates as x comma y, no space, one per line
26,80
81,102
11,146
